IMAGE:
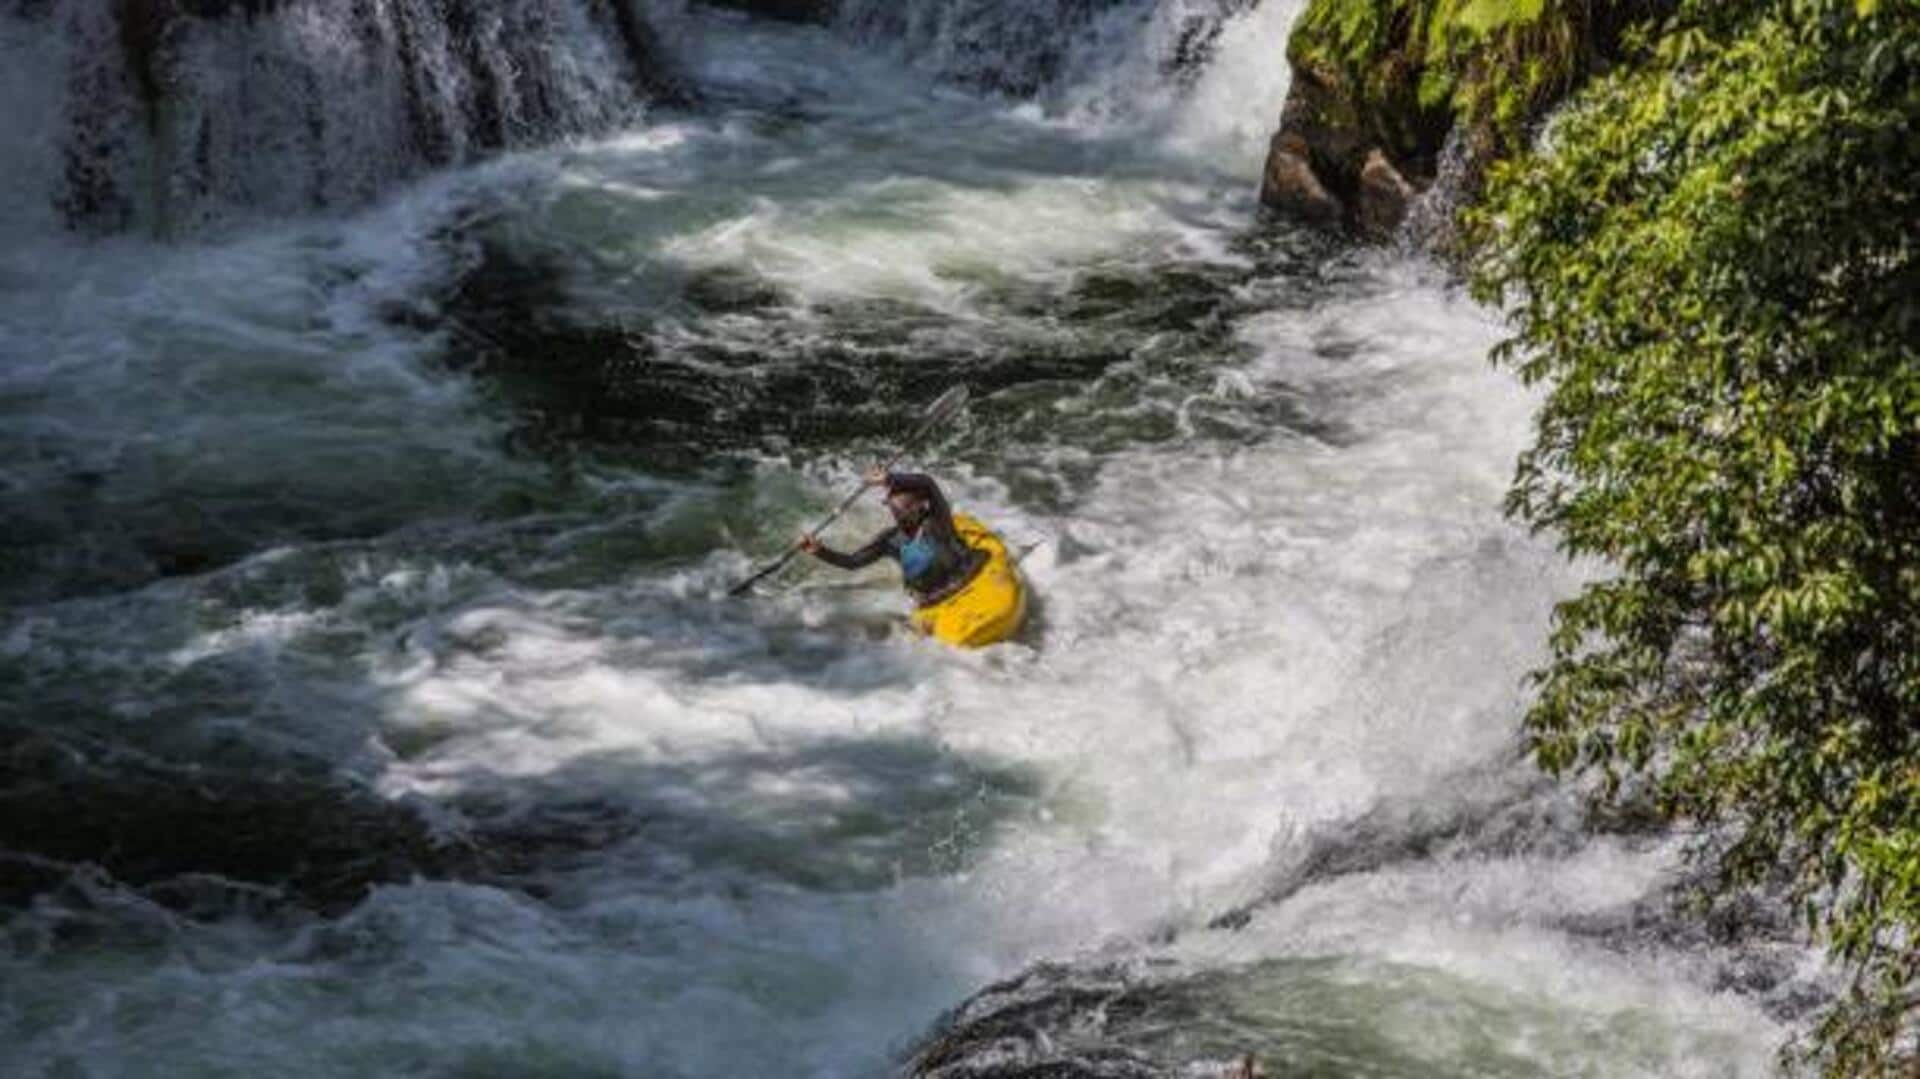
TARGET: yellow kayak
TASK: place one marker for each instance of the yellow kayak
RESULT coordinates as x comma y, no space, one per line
988,608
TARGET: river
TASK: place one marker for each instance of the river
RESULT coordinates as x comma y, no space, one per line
441,498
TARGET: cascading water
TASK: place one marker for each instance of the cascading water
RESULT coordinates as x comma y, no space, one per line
390,551
165,115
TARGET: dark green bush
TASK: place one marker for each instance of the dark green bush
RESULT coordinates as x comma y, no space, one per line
1408,71
1711,263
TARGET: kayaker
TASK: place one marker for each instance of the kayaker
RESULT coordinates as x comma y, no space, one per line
934,562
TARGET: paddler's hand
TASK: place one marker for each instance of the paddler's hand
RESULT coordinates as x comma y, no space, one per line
876,477
809,543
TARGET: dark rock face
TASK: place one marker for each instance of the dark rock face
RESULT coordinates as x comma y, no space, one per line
1330,138
1002,1031
783,10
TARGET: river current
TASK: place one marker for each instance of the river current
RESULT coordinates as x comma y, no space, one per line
442,498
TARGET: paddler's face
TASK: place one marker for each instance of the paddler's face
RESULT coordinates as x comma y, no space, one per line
908,510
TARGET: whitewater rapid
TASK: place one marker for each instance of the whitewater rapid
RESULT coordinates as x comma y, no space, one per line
281,500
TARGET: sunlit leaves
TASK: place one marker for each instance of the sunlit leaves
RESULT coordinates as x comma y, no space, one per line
1713,264
1412,69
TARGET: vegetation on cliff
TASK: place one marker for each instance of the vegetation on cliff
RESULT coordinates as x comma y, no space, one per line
1380,85
1713,264
1408,70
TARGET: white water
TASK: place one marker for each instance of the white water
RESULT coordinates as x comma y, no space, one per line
838,831
287,107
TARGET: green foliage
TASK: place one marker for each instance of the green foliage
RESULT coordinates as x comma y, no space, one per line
1715,267
1413,68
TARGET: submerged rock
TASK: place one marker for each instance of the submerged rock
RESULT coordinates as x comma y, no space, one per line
1013,1029
1067,1021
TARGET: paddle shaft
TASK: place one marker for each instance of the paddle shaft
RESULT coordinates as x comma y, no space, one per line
942,408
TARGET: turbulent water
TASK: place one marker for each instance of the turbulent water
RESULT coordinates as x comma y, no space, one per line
432,509
164,116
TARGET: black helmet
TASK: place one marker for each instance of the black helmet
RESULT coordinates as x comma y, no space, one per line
909,508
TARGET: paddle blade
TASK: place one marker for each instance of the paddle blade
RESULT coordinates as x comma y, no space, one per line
945,405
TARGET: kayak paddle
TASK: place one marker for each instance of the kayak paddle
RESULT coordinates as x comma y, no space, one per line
948,403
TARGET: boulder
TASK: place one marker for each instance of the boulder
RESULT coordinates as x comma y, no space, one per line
1383,199
1349,137
1291,186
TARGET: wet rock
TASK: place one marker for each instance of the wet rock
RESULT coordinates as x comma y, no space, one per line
1290,185
1333,122
1336,162
1383,199
1197,36
1019,50
1067,1021
1010,1030
728,290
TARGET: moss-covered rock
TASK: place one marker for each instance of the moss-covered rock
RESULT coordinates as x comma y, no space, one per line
1380,85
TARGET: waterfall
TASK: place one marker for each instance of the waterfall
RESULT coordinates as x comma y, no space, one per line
1033,48
166,115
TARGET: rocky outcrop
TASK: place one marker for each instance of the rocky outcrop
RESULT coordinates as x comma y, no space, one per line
1291,185
1384,197
1073,1021
1382,87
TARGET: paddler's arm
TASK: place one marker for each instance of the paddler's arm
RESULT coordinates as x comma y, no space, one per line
865,556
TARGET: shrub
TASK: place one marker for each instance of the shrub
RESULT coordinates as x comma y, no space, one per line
1711,264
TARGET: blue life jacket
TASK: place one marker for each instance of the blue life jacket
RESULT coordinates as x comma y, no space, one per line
919,557
928,562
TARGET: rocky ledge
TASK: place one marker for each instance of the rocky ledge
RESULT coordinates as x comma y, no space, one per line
1390,97
1072,1021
